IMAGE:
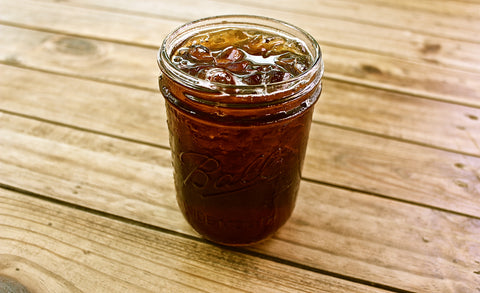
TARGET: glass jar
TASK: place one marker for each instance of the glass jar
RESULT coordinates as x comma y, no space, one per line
238,150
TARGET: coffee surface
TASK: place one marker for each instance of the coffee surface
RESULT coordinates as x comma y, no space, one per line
242,57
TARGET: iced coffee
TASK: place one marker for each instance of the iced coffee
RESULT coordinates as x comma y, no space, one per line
239,94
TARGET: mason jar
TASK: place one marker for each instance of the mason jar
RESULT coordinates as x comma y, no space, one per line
238,149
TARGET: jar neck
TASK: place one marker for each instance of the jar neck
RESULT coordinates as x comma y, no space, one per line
201,105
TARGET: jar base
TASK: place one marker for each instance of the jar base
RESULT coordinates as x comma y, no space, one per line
248,244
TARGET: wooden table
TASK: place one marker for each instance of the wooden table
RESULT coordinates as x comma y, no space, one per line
390,197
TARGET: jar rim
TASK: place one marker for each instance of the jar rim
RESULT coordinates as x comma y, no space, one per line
180,34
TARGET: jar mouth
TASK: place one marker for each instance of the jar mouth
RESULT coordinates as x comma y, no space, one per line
171,42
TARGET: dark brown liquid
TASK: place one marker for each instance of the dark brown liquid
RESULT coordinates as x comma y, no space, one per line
233,56
236,180
237,185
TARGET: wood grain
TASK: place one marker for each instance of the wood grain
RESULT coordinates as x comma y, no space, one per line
394,169
348,105
426,247
466,9
448,19
52,248
387,40
403,76
374,164
390,195
334,230
424,78
114,110
400,116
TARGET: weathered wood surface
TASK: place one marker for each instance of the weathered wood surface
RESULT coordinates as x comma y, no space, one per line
444,19
390,199
342,32
361,108
53,248
340,231
337,156
416,77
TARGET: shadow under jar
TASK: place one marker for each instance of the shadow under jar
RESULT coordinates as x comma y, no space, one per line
239,94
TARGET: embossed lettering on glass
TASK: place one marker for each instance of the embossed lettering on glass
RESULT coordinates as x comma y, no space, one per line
239,93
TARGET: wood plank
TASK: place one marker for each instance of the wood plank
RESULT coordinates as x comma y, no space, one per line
348,158
89,170
412,77
403,76
416,244
467,9
348,105
400,116
395,169
449,19
53,248
102,107
344,233
402,43
82,57
367,238
109,25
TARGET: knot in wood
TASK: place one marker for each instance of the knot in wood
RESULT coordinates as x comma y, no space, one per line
75,46
8,285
